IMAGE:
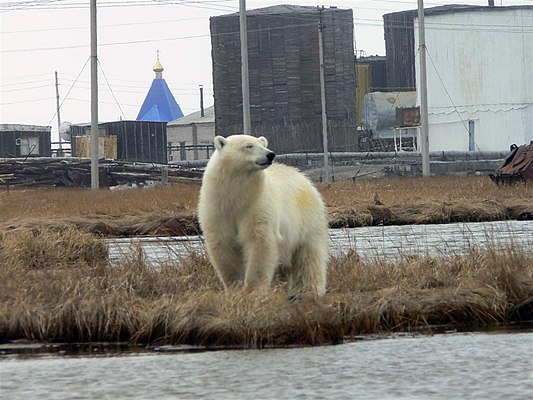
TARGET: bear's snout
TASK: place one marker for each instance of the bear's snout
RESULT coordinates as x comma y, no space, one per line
270,156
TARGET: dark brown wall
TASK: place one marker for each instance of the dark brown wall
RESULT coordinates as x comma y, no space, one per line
400,49
284,74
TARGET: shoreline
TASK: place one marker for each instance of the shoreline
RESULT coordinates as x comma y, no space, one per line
186,224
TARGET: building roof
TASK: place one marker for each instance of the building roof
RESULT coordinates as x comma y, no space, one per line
159,104
278,9
454,8
196,118
24,128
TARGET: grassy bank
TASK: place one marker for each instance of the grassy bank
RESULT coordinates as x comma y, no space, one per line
60,287
366,202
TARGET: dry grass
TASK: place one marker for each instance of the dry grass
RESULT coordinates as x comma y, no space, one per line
366,202
56,283
61,287
440,199
51,203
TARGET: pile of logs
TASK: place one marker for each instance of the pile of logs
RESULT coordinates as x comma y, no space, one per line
76,172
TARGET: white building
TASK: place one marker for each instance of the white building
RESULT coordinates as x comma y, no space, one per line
479,77
191,137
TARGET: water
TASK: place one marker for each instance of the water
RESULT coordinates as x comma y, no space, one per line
370,242
447,366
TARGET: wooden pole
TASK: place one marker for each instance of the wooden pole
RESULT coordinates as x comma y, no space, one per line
424,124
321,27
247,128
60,154
95,185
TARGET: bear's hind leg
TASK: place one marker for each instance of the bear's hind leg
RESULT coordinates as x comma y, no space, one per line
308,270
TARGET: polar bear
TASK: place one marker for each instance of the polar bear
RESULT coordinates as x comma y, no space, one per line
260,218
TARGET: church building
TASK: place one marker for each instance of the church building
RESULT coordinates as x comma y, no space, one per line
159,104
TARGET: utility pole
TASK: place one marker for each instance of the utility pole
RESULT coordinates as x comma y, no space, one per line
424,124
58,117
247,127
202,111
95,185
321,27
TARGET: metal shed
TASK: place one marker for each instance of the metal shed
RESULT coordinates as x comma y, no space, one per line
284,72
124,140
19,140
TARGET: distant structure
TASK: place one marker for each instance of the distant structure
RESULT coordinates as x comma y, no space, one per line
20,140
284,75
191,137
370,76
143,141
159,104
400,44
478,73
480,78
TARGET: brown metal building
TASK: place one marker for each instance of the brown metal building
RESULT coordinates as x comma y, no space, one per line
284,75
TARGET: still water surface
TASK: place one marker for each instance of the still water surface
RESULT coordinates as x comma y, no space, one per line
372,242
447,366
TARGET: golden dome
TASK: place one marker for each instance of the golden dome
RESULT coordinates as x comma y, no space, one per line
158,67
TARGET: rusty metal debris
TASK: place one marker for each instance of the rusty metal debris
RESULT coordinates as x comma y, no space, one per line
517,168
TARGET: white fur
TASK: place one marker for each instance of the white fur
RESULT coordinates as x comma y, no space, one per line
259,218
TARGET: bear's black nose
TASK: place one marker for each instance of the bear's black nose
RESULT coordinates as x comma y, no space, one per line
270,156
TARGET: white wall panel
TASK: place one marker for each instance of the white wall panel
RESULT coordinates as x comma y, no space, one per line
480,68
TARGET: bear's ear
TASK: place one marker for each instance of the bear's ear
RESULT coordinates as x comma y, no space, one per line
219,142
263,140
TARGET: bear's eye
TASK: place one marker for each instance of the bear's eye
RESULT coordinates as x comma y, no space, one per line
249,146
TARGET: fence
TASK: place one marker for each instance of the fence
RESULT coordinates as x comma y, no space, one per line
184,152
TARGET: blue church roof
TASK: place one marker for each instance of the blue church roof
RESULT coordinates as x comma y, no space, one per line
159,104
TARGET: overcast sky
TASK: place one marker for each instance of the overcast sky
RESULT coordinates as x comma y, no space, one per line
39,37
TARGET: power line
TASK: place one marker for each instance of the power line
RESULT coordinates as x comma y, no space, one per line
66,96
56,4
103,44
27,101
453,27
111,89
62,29
24,83
26,88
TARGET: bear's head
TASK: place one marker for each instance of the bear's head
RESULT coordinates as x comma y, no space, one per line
244,152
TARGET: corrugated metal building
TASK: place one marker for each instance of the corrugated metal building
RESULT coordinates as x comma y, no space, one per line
124,140
19,140
284,72
480,77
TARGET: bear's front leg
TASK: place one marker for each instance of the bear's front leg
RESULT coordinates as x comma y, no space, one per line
261,259
228,261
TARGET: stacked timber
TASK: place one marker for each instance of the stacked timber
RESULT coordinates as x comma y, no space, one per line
76,172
